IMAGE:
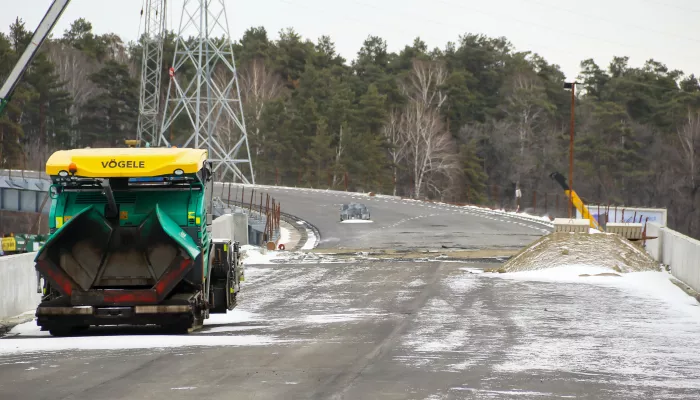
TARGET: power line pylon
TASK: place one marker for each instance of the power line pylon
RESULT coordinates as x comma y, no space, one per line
151,64
209,95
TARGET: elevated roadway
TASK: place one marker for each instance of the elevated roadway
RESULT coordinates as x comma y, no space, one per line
335,328
396,223
381,330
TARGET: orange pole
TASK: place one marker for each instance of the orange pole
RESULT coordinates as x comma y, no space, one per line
571,148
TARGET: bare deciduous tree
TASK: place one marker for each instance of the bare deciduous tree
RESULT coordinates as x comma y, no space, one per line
429,146
74,68
258,85
339,150
396,141
424,83
689,137
526,107
421,137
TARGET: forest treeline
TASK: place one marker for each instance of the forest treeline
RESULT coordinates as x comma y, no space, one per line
470,122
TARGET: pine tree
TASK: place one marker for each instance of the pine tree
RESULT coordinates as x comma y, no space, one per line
11,133
112,116
369,162
474,176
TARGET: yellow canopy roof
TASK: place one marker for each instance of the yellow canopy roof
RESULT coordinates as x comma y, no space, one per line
127,162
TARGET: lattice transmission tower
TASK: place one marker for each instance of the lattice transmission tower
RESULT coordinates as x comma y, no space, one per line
208,93
153,14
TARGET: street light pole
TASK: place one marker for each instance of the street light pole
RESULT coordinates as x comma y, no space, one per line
572,86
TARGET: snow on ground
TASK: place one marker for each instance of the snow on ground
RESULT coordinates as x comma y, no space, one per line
440,327
635,330
285,235
31,339
311,242
235,316
253,255
563,249
236,320
649,284
357,221
630,335
335,318
28,337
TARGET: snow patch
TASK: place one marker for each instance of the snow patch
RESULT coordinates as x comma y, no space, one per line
635,329
472,270
647,284
311,242
34,343
235,316
565,249
28,328
253,255
285,235
566,273
490,393
417,283
223,329
357,221
334,318
461,366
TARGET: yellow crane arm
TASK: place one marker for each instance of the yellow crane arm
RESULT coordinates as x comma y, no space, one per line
576,201
585,214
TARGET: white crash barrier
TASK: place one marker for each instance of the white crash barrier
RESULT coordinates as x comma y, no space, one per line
680,252
653,246
571,225
231,226
18,285
222,227
627,230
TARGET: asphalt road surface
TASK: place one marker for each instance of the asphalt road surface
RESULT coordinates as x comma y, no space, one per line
329,328
381,330
398,224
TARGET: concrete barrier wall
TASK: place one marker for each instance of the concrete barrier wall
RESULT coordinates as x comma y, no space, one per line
653,246
223,228
680,252
17,285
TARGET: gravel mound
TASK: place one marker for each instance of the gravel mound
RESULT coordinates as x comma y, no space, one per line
600,250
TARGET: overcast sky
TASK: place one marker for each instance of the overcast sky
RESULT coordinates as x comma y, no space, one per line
563,31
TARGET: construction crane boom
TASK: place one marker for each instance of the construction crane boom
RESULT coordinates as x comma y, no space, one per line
577,202
42,32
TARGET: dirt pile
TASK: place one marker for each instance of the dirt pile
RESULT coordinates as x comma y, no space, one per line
599,250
